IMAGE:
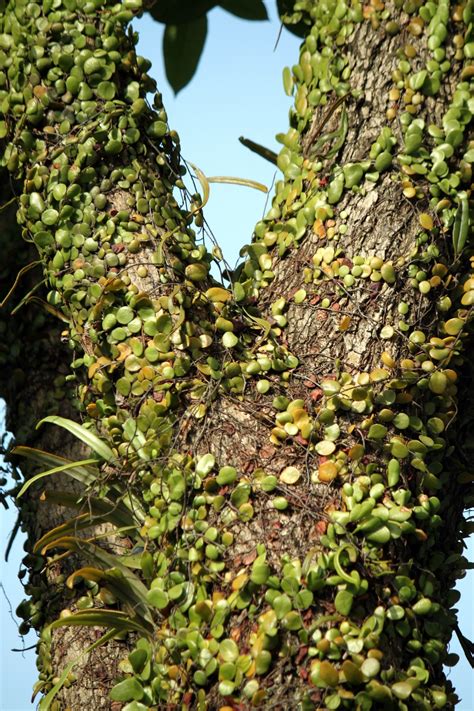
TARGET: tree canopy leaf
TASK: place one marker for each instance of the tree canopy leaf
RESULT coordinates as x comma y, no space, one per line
177,12
297,26
246,9
182,49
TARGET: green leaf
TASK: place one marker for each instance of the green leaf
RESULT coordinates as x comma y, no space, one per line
182,48
297,27
246,182
158,598
175,12
127,690
62,468
135,706
82,433
343,602
126,585
260,322
247,9
119,621
85,474
205,464
116,512
120,513
228,650
138,658
68,528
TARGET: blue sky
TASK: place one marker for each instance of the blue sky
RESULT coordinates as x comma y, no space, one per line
237,91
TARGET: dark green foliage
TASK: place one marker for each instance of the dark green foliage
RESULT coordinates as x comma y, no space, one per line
175,12
186,29
182,49
246,9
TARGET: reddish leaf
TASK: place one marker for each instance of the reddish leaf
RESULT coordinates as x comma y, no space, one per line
321,527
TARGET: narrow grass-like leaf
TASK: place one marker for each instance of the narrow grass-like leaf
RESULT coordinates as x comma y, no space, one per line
230,180
121,513
80,432
75,524
94,574
114,619
85,474
99,510
55,470
204,184
131,586
17,279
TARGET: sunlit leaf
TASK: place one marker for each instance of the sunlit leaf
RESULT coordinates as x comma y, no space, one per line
72,526
85,474
80,432
246,182
102,618
129,587
122,588
94,574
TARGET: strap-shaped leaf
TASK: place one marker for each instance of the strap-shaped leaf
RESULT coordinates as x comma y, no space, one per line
114,619
56,470
80,432
99,510
85,474
130,584
69,527
231,180
120,587
94,574
117,508
246,9
182,49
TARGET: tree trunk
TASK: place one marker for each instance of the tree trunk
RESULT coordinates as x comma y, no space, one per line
275,512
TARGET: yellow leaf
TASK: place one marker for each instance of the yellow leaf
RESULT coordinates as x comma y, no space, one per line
426,221
290,475
239,581
100,362
344,323
327,471
217,293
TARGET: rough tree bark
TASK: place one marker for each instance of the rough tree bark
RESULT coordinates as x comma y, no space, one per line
275,513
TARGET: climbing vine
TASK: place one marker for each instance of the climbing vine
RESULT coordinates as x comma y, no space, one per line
361,616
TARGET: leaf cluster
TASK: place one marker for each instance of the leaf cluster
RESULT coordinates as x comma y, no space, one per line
186,31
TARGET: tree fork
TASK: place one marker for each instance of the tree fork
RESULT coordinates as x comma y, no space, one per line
275,515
